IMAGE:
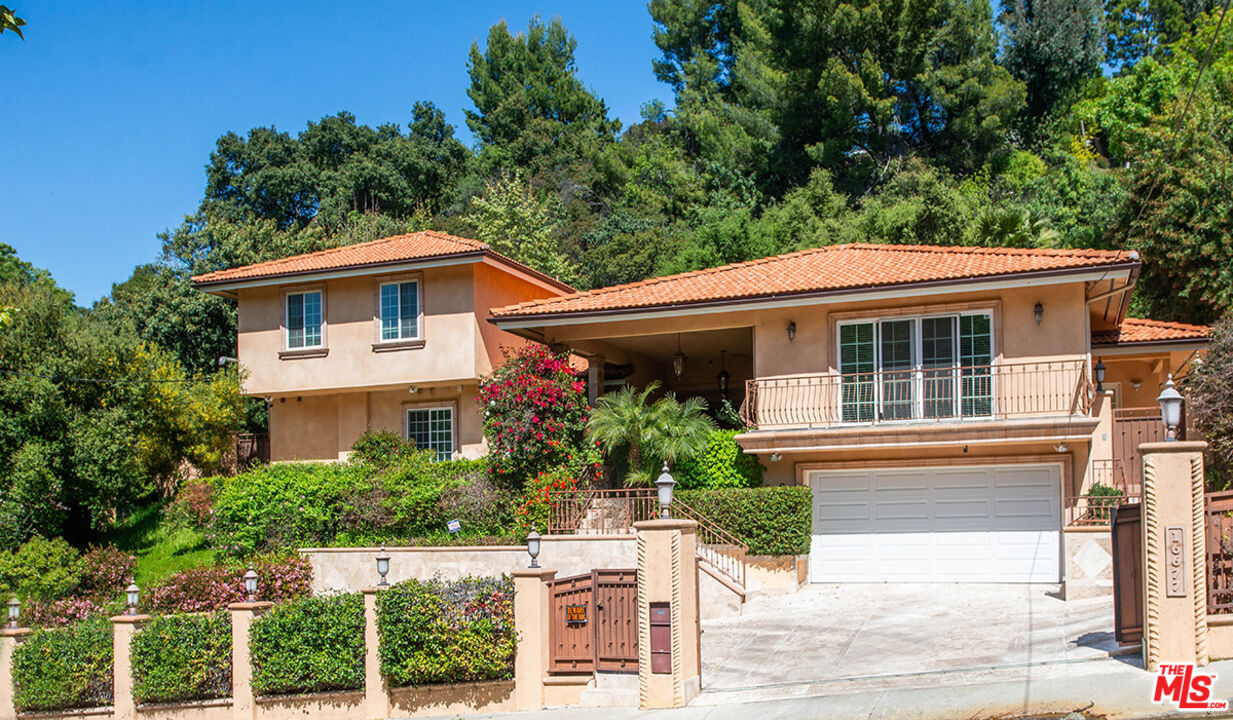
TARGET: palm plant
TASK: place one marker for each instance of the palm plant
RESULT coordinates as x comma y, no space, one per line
665,429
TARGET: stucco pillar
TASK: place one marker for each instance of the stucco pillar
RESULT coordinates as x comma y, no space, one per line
1174,548
243,698
1102,436
376,694
123,628
9,639
531,618
668,580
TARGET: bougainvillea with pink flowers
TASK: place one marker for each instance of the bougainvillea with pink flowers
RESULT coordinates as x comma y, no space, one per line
535,416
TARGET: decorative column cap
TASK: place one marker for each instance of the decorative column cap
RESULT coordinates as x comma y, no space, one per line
674,523
541,573
259,605
130,619
1175,446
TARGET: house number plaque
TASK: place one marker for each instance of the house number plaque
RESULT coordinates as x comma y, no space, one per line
1175,566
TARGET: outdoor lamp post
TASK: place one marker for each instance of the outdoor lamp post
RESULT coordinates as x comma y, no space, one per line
250,584
533,546
14,611
134,595
1170,408
664,483
383,567
1099,371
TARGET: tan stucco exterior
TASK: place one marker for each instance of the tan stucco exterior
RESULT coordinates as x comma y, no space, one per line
323,399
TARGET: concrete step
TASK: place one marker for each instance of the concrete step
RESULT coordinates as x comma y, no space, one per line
596,698
616,681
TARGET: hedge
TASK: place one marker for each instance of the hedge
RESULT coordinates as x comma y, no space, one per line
447,631
722,465
63,668
770,520
314,644
182,657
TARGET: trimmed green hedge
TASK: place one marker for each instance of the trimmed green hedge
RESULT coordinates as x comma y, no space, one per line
64,668
182,657
722,465
314,644
770,520
447,631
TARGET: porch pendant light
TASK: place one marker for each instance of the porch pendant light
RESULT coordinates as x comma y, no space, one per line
678,360
723,377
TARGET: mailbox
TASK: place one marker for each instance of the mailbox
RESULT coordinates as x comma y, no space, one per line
661,638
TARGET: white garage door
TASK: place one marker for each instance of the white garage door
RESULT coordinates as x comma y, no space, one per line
945,524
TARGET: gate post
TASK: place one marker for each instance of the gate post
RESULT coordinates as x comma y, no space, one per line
669,654
1174,555
531,624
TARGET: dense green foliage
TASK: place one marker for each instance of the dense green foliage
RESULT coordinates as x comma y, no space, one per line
57,584
64,668
309,645
652,433
1209,397
447,631
721,465
182,657
770,520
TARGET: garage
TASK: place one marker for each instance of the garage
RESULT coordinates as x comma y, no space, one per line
996,524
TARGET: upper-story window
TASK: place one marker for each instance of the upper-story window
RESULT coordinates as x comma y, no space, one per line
400,310
906,368
304,320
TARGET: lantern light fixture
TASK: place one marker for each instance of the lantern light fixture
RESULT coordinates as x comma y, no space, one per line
1170,408
723,377
533,546
383,567
678,360
791,331
250,584
1099,371
1038,312
14,611
133,594
664,485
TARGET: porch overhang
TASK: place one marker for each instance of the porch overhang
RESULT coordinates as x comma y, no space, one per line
1019,431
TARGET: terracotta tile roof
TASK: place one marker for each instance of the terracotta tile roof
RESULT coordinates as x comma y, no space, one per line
836,267
1139,330
391,250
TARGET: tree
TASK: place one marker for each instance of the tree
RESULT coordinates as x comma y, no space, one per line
1053,47
516,221
1139,29
1209,401
662,431
10,21
531,110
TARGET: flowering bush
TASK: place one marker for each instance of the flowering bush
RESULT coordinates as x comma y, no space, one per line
193,503
105,571
535,415
207,589
447,631
535,505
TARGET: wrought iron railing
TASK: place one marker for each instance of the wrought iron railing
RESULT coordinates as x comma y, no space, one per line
1219,526
949,394
614,512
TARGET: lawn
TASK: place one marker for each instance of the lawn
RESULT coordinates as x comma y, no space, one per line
160,548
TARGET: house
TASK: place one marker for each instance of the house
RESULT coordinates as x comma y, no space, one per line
942,402
388,334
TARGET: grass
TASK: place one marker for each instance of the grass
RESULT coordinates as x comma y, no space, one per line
161,549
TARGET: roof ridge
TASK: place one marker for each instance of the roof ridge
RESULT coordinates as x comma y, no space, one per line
1165,323
985,250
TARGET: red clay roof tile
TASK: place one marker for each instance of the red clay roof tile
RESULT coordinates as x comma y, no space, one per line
1140,330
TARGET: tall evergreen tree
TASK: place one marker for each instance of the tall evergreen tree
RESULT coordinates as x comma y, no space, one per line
1053,46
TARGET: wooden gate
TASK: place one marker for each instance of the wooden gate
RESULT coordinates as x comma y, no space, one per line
593,622
1131,428
1127,525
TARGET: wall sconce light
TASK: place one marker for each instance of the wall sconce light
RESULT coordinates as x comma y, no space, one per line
383,567
1099,371
533,547
411,389
1136,383
678,360
776,457
269,400
1039,312
133,594
250,584
723,377
791,331
664,485
14,612
1170,408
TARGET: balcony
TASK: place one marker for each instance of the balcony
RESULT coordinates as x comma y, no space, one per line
947,395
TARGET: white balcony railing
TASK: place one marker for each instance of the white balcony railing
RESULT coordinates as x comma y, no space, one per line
950,394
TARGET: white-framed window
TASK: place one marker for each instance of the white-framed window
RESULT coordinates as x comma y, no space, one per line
909,368
305,320
432,428
399,307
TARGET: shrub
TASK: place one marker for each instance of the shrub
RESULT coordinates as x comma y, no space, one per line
535,504
770,520
64,668
182,657
310,645
722,465
447,631
1101,501
41,570
535,415
193,504
380,447
213,588
104,572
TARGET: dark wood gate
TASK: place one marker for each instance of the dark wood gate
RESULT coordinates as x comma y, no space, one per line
593,622
1131,428
1127,525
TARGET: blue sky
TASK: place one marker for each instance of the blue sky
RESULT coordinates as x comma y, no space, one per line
109,111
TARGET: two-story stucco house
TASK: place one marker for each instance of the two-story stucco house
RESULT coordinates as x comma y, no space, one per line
389,334
941,402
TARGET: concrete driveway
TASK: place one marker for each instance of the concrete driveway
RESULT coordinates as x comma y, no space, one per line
869,636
